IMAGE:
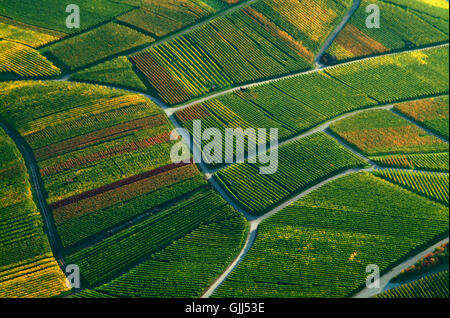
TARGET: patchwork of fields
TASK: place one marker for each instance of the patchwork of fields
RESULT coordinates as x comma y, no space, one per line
300,103
301,164
87,178
107,28
433,286
261,41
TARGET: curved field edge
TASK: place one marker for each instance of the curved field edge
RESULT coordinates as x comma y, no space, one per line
296,173
313,234
328,17
28,269
20,61
432,286
259,101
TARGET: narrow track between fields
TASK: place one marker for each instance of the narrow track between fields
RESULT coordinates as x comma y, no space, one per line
276,79
33,170
384,279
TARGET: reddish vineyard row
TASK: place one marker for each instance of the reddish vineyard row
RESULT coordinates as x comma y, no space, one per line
115,185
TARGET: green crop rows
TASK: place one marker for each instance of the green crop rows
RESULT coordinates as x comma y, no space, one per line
427,161
125,249
122,137
27,266
380,132
432,186
301,164
107,40
321,245
185,268
232,50
117,72
299,103
433,113
432,286
51,14
403,25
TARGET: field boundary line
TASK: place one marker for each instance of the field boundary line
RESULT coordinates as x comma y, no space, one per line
332,37
386,278
255,222
133,51
418,124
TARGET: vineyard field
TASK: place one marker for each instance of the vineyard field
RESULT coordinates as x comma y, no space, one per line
403,25
297,104
427,161
432,113
24,35
432,186
102,42
160,18
335,231
104,160
117,72
187,267
296,171
51,14
432,286
233,50
24,62
238,149
380,132
404,76
129,247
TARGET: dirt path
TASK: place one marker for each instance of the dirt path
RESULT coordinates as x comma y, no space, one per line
384,280
254,221
254,225
335,33
33,170
272,80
